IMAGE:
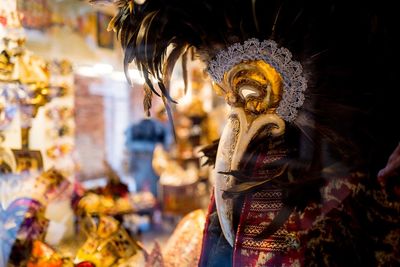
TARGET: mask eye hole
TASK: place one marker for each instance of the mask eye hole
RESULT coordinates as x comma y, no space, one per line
248,91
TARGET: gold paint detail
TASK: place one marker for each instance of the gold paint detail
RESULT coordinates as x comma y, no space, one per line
232,145
279,59
281,241
253,85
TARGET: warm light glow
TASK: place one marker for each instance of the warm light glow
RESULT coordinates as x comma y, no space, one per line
103,69
86,71
134,74
107,71
95,70
140,2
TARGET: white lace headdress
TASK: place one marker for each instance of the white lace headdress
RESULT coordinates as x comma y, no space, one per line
294,82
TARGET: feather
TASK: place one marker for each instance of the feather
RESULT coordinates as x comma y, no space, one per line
247,186
141,41
129,56
244,174
170,63
170,116
149,83
165,92
296,197
244,188
278,221
275,21
253,9
101,2
210,152
184,70
147,99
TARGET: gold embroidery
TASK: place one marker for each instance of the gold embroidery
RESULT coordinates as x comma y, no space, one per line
262,206
268,194
281,241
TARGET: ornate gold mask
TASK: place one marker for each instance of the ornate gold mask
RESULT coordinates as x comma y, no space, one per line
264,88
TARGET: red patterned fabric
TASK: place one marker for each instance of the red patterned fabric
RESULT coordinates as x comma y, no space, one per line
259,209
205,243
286,247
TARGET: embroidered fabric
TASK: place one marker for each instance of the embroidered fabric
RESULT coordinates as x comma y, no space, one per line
291,71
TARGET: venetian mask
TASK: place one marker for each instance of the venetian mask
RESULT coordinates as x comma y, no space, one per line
22,222
107,243
264,88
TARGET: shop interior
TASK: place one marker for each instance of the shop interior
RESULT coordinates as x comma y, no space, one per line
198,133
88,177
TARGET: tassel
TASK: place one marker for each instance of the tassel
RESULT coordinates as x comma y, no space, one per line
147,100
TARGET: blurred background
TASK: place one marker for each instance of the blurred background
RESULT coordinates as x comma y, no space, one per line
86,177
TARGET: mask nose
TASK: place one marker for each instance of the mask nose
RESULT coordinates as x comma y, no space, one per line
235,139
253,89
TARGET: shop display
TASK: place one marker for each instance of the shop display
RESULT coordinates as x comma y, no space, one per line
25,88
183,247
181,189
107,243
155,258
23,203
194,126
114,198
36,92
143,201
99,204
10,97
183,180
7,161
44,255
35,14
32,181
141,140
25,224
170,171
276,115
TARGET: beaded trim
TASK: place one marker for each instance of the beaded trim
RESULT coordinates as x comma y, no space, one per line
279,58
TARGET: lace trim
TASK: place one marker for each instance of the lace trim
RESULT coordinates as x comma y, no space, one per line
280,58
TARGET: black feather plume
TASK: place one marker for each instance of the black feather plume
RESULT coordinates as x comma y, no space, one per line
210,153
